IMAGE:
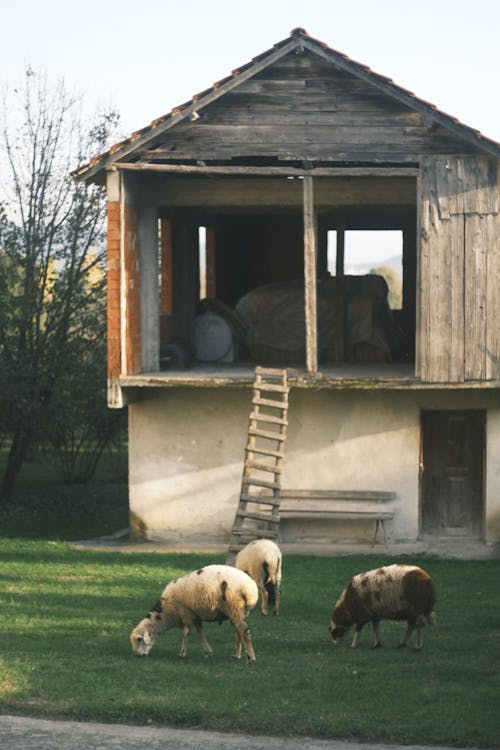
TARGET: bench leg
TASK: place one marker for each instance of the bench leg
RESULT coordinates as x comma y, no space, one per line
379,522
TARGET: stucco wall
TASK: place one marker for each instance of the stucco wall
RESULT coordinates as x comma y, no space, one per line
187,447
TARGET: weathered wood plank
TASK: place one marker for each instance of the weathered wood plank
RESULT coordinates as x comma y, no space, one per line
491,228
275,192
452,263
467,185
310,275
373,153
277,131
441,319
280,171
368,495
475,289
307,113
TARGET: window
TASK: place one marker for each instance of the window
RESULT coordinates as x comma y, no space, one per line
377,251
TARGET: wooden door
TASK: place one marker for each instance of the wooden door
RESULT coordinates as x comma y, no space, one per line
452,473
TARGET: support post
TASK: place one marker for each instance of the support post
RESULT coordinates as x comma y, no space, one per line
310,275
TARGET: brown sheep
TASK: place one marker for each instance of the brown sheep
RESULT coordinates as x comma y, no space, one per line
395,592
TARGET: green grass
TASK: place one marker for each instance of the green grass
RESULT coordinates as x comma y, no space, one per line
66,615
43,507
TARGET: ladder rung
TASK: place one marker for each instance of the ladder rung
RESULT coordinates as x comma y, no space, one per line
258,516
259,417
247,481
264,452
276,372
268,435
253,534
259,466
260,499
283,405
271,387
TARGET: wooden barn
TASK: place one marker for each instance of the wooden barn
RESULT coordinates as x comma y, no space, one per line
227,227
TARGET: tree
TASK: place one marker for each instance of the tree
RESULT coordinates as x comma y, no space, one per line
81,425
51,238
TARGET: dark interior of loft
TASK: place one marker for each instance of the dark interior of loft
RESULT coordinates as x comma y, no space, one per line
242,302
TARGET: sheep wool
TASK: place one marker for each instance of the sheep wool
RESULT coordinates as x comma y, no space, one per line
214,593
394,592
262,560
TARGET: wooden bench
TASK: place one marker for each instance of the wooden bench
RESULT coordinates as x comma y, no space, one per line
347,505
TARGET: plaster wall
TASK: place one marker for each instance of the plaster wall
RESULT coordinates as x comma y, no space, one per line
186,449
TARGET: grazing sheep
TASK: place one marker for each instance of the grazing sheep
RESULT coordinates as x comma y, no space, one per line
395,592
211,594
261,559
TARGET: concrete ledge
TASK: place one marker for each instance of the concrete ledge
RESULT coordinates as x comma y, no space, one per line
456,549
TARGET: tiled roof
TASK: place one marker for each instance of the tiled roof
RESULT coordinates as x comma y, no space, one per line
298,38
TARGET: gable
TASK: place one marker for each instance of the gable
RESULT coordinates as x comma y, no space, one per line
300,101
304,109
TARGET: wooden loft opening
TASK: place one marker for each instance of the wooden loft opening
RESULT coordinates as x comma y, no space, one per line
261,265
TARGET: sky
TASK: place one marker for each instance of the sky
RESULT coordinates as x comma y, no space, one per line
142,59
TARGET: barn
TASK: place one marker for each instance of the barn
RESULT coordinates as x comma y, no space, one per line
229,222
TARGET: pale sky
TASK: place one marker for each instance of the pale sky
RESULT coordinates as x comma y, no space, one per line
142,59
145,58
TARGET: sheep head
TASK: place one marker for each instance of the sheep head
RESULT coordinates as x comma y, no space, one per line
337,632
141,640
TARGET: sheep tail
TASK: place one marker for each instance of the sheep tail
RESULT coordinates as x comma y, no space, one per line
269,585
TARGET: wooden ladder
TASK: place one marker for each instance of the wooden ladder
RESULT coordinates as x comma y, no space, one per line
258,509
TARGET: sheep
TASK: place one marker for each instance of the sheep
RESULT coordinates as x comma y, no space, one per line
213,593
395,592
261,559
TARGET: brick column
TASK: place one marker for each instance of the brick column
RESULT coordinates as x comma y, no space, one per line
113,290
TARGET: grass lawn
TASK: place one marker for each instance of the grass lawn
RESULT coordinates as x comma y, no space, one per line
43,507
66,615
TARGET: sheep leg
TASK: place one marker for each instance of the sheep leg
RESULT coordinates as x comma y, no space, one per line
264,597
185,635
276,599
237,645
206,646
419,642
410,627
354,643
376,638
243,636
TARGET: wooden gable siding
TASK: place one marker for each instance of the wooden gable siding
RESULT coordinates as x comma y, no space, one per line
303,108
459,286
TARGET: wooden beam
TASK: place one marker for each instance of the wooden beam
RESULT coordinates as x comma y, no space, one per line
210,261
340,296
310,275
340,254
144,166
166,288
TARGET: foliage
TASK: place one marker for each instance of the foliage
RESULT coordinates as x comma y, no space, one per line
81,425
51,245
67,615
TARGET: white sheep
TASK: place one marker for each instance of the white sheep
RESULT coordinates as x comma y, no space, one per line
261,559
211,594
395,592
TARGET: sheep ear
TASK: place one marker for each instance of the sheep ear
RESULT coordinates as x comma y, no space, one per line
146,638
